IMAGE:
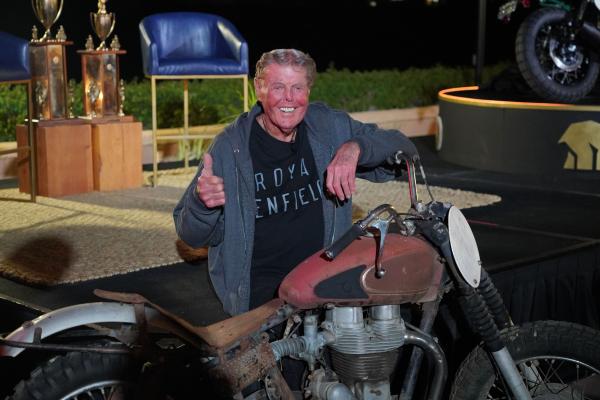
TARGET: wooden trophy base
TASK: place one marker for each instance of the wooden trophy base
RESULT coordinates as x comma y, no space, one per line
117,153
64,158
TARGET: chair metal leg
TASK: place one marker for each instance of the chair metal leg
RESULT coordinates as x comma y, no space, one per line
154,133
185,136
245,93
186,124
32,146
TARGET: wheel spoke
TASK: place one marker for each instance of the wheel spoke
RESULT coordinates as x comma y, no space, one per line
555,370
561,58
547,376
532,375
108,392
551,367
547,373
116,393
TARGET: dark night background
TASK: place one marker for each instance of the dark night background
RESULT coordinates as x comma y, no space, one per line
350,34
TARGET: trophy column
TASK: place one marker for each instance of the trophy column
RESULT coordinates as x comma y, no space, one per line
100,82
49,79
62,144
116,138
48,63
56,134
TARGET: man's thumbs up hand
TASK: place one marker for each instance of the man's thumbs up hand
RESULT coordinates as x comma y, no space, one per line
208,161
210,188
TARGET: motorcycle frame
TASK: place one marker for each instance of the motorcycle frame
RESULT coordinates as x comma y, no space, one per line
147,316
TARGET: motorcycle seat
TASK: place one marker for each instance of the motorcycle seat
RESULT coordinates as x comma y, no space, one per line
220,335
223,334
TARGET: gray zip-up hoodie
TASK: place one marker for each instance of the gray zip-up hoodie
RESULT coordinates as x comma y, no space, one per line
229,230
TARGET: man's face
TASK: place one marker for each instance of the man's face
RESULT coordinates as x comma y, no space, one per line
283,92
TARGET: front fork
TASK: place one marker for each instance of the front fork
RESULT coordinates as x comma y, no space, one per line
476,309
477,312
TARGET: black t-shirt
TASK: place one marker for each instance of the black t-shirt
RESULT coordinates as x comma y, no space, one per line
289,213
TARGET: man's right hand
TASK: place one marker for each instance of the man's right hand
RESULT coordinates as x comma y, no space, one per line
210,188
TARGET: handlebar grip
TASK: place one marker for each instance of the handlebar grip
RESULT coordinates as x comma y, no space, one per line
339,245
400,156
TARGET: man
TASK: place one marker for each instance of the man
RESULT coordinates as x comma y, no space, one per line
277,183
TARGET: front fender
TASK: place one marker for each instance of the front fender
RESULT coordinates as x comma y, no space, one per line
70,317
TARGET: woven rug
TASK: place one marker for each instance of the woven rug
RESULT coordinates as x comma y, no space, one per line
100,234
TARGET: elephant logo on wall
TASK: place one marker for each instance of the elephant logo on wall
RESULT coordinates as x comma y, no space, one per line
583,141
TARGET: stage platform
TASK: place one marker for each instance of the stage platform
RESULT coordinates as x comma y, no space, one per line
541,245
516,133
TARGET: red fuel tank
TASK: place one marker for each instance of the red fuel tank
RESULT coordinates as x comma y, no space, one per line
413,274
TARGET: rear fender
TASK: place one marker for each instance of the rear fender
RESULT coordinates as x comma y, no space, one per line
78,315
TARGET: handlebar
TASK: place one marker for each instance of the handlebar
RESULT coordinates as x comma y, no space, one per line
398,158
339,245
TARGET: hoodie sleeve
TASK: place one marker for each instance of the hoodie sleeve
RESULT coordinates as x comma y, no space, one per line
196,224
376,146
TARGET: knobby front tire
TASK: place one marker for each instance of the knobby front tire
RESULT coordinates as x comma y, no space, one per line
559,357
80,375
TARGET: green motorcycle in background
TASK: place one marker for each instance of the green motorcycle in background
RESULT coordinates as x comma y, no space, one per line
558,48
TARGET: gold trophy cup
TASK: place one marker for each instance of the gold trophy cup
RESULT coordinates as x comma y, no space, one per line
47,12
48,62
103,23
100,68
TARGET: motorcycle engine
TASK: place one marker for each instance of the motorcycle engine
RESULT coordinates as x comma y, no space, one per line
367,342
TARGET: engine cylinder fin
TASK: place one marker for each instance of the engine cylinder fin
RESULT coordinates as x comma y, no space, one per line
380,336
364,367
366,348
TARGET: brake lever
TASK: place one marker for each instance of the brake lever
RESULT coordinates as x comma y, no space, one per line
375,222
381,225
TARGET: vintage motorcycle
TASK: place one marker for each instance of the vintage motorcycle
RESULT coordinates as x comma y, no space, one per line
363,315
558,48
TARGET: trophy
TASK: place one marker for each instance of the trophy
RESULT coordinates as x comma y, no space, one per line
47,12
103,23
100,68
48,62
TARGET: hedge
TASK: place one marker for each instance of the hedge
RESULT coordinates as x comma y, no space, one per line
220,100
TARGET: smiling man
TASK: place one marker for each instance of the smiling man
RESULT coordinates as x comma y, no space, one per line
276,185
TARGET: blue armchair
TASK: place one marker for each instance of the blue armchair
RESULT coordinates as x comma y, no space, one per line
15,69
190,45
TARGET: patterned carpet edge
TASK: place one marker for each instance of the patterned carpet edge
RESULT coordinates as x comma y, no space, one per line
100,234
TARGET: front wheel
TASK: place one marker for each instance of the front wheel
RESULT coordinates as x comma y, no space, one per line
80,376
553,60
558,361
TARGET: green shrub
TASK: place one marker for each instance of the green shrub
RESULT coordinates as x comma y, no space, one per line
209,101
13,109
214,101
